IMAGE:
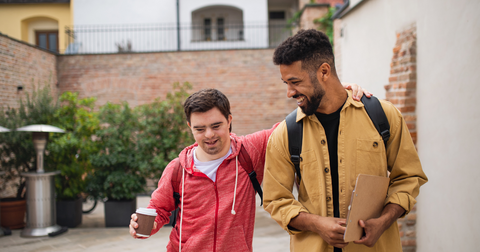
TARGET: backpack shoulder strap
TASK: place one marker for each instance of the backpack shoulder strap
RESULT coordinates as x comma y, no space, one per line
247,165
295,137
377,115
176,181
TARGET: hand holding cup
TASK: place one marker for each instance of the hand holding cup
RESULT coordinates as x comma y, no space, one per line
142,223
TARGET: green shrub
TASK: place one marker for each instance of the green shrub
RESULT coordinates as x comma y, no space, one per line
69,153
16,148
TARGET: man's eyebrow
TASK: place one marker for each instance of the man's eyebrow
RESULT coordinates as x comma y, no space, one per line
290,79
203,126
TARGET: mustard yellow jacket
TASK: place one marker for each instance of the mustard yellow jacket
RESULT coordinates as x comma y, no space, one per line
360,150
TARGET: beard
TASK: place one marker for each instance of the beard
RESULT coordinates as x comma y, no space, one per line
313,102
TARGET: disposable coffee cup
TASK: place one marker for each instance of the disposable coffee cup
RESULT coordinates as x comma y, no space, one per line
146,217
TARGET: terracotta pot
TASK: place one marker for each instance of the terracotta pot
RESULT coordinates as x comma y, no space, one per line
12,213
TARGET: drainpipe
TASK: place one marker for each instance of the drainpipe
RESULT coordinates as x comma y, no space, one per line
339,11
178,25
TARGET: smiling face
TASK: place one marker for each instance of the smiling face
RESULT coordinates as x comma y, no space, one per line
211,131
306,89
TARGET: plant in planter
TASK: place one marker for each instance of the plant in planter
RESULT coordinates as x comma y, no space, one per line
69,154
116,175
163,132
17,154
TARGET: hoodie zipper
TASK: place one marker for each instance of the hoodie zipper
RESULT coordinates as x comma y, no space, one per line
216,219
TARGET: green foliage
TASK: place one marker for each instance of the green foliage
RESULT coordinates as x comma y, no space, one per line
116,173
16,148
163,132
69,153
136,144
325,23
295,19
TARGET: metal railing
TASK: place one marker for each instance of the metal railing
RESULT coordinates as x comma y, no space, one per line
96,39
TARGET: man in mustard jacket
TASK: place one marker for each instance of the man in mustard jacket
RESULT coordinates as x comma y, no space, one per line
339,142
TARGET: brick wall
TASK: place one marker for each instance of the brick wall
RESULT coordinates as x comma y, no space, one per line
312,12
248,78
23,65
401,91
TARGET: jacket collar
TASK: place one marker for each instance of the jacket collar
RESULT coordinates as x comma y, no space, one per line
350,102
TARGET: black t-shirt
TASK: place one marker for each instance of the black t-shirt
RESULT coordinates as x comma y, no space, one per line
330,123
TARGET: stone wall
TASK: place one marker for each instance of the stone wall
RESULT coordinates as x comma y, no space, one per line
248,78
25,66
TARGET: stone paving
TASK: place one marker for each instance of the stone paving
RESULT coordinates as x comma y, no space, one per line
92,235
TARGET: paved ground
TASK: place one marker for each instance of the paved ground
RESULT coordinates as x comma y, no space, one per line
93,236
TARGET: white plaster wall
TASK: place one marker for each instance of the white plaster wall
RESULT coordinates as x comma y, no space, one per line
448,119
368,40
253,11
124,11
448,76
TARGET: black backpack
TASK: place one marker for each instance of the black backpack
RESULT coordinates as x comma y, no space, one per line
295,130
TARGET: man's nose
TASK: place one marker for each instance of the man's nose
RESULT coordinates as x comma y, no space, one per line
290,91
209,133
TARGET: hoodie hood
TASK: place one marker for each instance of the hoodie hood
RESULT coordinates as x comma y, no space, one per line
186,156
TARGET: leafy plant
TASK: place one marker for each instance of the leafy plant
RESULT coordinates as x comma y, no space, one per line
135,144
69,152
325,23
116,173
17,154
163,131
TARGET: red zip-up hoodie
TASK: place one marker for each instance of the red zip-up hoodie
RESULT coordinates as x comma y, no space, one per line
208,222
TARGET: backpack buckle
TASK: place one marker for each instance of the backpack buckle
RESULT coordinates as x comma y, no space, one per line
252,174
295,159
385,135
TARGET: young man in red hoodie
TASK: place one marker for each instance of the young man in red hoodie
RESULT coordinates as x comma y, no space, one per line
217,197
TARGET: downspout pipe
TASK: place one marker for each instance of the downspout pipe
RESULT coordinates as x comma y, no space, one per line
339,11
178,26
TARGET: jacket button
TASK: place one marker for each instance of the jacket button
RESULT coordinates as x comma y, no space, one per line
375,144
329,198
323,141
327,170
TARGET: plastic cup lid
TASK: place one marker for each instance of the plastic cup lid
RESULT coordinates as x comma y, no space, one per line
147,211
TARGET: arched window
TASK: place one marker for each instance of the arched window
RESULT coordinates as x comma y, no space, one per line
41,31
217,23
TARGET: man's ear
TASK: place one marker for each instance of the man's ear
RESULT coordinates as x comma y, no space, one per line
324,72
189,125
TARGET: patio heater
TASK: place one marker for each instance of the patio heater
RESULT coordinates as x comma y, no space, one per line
40,196
2,230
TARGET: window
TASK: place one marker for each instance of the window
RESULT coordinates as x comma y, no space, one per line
277,15
221,29
47,40
207,24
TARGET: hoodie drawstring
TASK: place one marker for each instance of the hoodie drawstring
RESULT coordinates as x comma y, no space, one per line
181,211
235,190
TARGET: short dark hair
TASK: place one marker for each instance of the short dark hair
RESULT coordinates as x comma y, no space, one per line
206,99
311,47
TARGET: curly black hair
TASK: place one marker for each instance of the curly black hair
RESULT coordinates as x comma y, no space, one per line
311,47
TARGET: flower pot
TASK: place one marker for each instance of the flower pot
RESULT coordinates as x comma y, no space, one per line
118,212
12,212
69,212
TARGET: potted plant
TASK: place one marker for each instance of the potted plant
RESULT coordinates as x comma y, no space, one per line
163,132
17,154
116,175
69,153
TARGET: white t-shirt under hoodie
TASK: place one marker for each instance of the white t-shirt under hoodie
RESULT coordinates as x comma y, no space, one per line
209,168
